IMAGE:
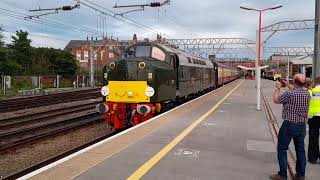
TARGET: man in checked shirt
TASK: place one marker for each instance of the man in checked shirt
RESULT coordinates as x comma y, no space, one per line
295,115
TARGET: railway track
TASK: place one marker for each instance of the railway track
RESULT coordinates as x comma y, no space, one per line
18,137
21,130
56,158
274,129
44,100
43,116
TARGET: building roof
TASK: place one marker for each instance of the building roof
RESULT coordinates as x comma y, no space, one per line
303,60
75,44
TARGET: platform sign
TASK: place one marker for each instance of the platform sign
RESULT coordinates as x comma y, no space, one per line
187,153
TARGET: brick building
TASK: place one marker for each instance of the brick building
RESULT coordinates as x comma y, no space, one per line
105,52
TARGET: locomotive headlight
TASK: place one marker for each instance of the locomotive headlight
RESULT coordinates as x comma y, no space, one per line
143,109
112,65
102,108
142,65
105,91
149,91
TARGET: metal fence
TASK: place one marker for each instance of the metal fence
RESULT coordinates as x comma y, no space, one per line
31,85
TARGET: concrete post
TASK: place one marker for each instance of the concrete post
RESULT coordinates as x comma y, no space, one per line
258,73
39,82
58,81
77,82
4,84
316,59
288,73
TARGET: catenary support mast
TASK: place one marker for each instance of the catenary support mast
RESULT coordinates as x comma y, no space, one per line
316,59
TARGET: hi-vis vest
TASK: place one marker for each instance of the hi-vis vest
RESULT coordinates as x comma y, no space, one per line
314,104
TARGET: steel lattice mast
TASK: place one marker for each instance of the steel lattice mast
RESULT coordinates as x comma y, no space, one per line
316,59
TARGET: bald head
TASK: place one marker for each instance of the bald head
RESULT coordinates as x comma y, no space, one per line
299,79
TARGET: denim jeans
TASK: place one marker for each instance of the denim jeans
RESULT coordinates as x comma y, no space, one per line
297,132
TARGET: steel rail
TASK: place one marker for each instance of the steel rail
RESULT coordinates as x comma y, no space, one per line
37,101
42,116
20,137
56,157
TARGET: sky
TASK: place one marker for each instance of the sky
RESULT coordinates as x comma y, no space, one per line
180,19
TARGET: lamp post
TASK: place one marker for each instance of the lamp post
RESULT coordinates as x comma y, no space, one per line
258,42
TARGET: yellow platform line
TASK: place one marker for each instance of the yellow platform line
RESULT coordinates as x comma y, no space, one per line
156,158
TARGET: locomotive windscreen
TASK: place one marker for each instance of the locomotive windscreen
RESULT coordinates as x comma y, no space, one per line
145,51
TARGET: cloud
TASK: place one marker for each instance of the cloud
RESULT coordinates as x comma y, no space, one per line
180,19
39,40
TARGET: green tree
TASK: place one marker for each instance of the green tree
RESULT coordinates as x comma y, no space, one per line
53,61
20,58
1,37
21,51
64,64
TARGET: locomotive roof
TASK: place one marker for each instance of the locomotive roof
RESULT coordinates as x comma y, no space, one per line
183,56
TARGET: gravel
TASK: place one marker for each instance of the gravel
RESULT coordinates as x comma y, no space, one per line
34,153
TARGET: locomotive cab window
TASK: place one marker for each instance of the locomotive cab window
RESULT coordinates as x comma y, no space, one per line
158,54
143,51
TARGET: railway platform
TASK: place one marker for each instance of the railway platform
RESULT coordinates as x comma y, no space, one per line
219,136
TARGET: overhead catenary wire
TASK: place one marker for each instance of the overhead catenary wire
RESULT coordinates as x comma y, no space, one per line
84,30
110,13
39,36
117,21
43,21
61,25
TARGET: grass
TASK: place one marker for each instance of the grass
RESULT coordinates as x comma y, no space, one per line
18,85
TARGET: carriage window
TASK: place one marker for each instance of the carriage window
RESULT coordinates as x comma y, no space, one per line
143,51
189,60
158,54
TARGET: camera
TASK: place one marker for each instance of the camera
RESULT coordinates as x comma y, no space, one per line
282,81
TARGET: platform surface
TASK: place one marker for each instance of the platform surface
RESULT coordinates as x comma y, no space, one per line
230,141
312,170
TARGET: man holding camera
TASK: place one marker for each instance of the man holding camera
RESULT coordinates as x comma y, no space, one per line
314,122
294,114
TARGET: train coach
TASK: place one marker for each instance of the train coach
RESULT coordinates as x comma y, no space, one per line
150,78
273,74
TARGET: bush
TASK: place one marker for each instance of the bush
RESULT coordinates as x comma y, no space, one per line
22,84
65,83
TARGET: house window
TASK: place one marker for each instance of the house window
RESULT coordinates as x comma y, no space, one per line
86,55
78,55
111,55
101,55
95,56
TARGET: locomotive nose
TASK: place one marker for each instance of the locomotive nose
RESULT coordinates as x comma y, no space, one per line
123,70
